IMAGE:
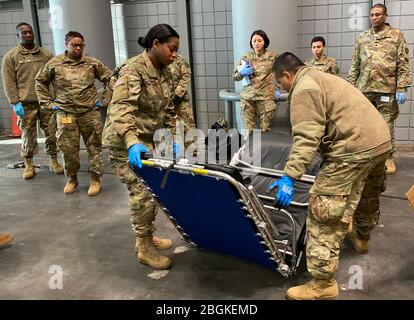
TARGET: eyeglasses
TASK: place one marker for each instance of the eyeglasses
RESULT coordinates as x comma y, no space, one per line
75,45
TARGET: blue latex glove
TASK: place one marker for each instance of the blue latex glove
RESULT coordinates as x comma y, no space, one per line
246,71
55,108
18,109
134,154
98,104
278,95
401,97
285,190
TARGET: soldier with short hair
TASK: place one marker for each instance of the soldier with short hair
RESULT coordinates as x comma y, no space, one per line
258,94
19,68
381,70
325,114
72,76
142,103
319,60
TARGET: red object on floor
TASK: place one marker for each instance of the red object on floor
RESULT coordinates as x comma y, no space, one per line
15,131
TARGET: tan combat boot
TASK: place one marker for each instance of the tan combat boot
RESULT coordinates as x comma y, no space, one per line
360,245
5,238
316,289
95,185
390,164
71,185
160,244
54,165
29,170
148,254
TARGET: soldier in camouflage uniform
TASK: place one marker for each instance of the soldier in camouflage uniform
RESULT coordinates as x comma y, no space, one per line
181,72
352,173
19,68
72,76
257,99
319,60
142,103
381,70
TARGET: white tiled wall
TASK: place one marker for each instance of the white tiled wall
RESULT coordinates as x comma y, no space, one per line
45,31
139,17
402,16
211,28
340,22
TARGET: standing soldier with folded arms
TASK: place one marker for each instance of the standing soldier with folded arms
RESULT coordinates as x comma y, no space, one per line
19,68
381,70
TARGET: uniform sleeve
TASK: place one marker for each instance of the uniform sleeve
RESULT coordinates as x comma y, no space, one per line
335,68
8,74
307,116
43,79
355,69
127,90
107,92
403,65
103,74
185,79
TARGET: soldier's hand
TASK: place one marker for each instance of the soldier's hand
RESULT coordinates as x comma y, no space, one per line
401,97
285,190
278,95
18,109
134,154
246,71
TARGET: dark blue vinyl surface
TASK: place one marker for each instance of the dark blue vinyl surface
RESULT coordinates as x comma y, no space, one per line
208,211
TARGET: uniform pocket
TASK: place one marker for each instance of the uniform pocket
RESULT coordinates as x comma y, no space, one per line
327,209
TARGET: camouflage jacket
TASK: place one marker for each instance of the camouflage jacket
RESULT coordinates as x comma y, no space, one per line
328,65
181,72
330,115
19,69
263,86
141,104
380,62
73,83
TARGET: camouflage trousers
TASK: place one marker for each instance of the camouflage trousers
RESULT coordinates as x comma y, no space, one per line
143,207
252,111
71,126
387,105
28,125
343,193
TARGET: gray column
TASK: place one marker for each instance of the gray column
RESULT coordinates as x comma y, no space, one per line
278,18
92,19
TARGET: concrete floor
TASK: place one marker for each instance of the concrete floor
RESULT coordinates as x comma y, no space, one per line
91,241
